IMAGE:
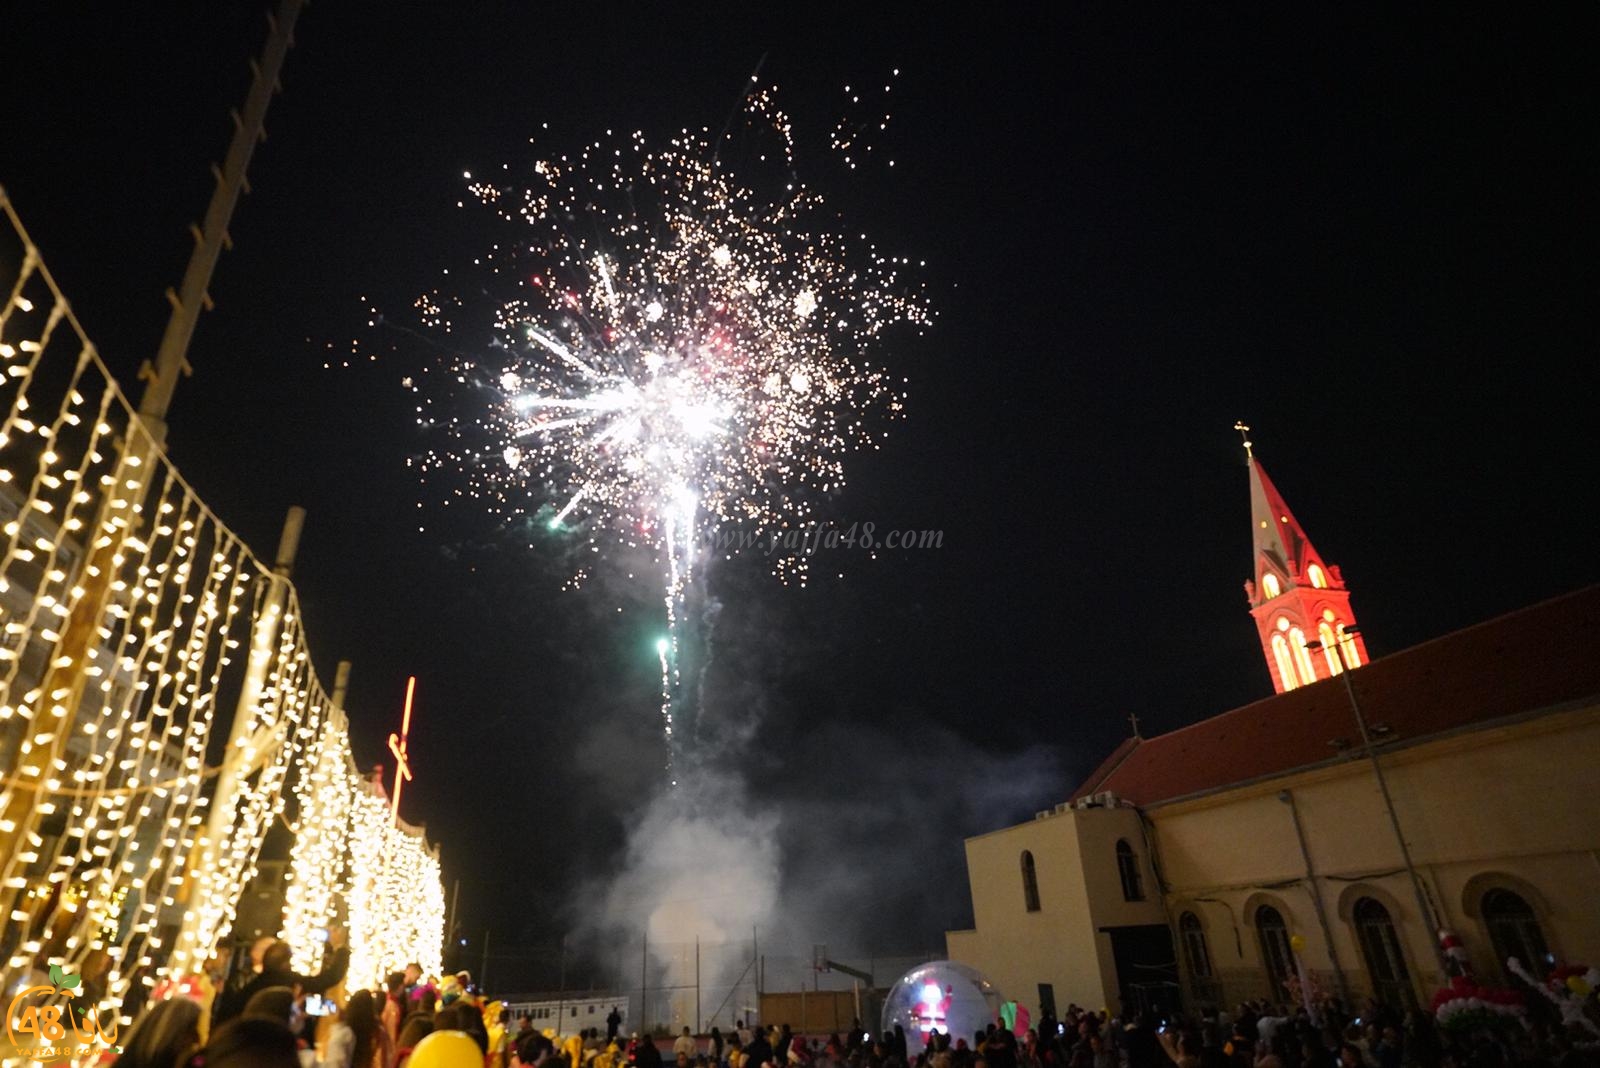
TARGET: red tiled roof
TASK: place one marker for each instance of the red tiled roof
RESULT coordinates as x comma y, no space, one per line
1532,659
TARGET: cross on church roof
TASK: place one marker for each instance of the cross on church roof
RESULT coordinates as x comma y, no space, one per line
1244,432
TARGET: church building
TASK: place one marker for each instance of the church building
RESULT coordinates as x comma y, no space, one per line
1325,835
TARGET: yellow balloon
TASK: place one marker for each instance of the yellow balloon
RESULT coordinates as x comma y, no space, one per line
1297,943
447,1049
1577,985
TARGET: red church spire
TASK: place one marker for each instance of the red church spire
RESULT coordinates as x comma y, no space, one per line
1299,601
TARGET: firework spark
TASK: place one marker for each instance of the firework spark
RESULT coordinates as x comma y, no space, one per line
681,347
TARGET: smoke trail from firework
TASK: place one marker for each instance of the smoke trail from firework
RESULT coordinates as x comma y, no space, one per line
679,351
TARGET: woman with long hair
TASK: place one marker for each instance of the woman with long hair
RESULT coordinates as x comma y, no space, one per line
358,1039
164,1037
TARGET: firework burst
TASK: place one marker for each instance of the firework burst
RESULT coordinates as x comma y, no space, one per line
680,349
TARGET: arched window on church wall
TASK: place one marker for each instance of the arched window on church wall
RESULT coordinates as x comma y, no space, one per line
1128,869
1514,931
1030,883
1277,956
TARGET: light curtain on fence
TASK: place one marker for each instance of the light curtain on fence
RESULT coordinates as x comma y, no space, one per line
132,623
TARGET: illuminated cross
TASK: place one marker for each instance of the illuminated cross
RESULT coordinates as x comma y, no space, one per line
397,746
1244,432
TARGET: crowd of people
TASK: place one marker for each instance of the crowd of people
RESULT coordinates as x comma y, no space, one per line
1255,1035
269,1016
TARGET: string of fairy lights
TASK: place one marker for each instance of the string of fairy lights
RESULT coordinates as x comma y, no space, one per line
132,623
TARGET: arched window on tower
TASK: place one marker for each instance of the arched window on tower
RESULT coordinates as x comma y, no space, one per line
1348,647
1030,883
1319,580
1128,868
1330,648
1280,653
1269,586
1277,956
1302,656
1514,931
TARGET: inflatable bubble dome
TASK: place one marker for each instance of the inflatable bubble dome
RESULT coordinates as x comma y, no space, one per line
941,996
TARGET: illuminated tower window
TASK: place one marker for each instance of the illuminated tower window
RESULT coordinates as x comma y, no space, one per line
1318,579
1330,648
1269,586
1302,656
1280,653
1347,646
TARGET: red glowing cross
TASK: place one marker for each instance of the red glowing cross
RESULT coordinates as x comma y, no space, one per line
397,746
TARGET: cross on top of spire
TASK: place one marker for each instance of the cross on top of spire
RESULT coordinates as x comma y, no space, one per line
1244,432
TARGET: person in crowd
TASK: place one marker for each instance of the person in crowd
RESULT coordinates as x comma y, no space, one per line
276,971
357,1039
572,1050
613,1024
273,1002
590,1044
685,1046
165,1037
251,1042
780,1045
648,1055
1182,1049
534,1050
413,1029
609,1057
394,1003
470,1020
758,1050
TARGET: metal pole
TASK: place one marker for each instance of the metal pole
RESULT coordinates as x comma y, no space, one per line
212,237
450,924
1288,798
483,972
246,748
561,997
697,984
644,982
341,684
1423,909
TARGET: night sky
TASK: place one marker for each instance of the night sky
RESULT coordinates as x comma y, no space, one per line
1370,237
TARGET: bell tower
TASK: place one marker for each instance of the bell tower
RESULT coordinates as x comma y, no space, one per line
1298,599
